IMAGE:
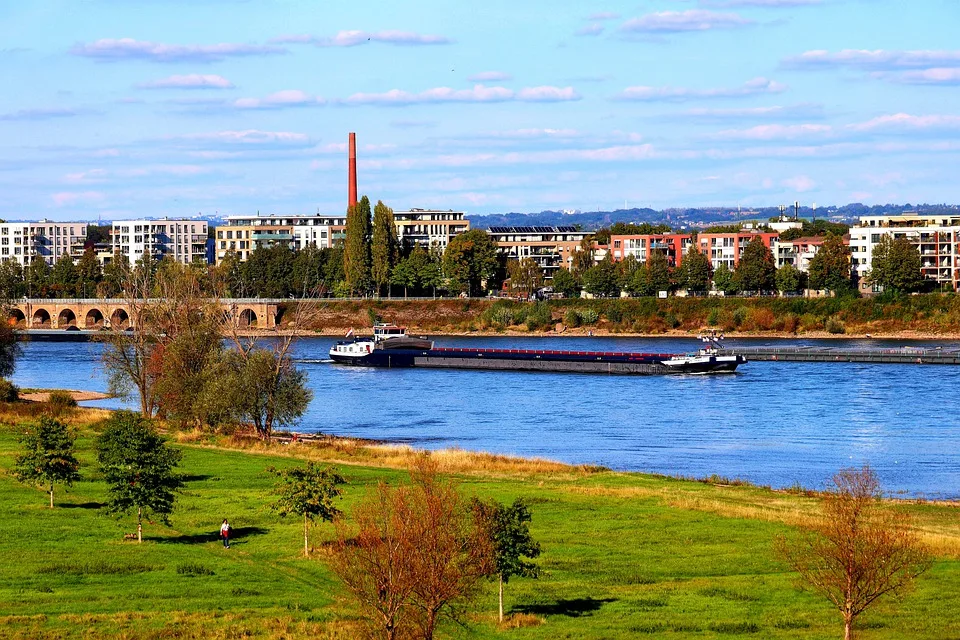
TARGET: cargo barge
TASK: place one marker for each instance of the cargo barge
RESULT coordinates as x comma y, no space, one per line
390,346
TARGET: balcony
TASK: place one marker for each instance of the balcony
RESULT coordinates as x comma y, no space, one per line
266,235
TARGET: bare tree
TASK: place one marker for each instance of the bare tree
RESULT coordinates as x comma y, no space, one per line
860,551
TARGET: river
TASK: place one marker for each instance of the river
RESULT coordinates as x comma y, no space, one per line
771,423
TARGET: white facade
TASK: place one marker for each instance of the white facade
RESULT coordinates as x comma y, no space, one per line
178,239
936,237
244,233
22,241
429,227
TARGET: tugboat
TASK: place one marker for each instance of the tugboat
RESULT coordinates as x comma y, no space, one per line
390,346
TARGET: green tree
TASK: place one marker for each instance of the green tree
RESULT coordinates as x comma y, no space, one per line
64,277
637,283
526,276
269,391
89,273
356,250
115,274
268,271
48,456
895,265
385,246
307,491
582,257
723,279
470,259
565,284
139,469
789,279
756,270
11,280
37,276
307,271
508,531
602,279
405,274
830,268
695,269
658,271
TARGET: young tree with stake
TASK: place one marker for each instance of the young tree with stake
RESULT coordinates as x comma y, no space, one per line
307,491
48,456
139,469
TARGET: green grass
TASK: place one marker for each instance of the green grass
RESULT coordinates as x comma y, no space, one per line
624,556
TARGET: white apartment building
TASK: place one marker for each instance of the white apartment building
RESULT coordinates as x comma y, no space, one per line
936,237
178,239
244,233
429,227
47,239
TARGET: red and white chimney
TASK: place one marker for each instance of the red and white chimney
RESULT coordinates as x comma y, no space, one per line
352,172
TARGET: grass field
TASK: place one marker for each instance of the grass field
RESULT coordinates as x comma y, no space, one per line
624,556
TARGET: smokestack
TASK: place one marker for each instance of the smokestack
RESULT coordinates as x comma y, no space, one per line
352,172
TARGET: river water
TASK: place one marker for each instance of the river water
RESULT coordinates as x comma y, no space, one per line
771,423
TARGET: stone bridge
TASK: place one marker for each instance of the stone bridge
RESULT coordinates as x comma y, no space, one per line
95,313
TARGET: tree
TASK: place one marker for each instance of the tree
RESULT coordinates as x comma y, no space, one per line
269,390
404,275
37,277
830,268
526,276
89,273
756,270
418,555
601,279
356,250
895,265
10,348
307,491
508,532
723,279
658,271
470,259
860,551
695,269
789,278
582,257
11,280
64,277
115,274
307,271
385,246
565,284
139,469
268,271
48,456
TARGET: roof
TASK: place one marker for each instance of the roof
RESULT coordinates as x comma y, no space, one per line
534,230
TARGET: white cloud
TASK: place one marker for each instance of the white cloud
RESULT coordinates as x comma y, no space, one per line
904,123
490,76
775,132
594,29
799,183
42,113
680,94
782,112
354,38
249,137
109,49
67,198
280,100
936,75
684,21
603,15
190,81
770,4
874,59
479,94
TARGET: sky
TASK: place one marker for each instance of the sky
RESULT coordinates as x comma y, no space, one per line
115,109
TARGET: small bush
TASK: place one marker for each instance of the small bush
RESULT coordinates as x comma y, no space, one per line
734,628
61,402
8,391
671,320
589,316
713,318
790,323
193,569
614,314
739,316
571,318
835,326
520,620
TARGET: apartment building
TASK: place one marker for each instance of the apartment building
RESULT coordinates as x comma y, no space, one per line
726,248
429,227
177,239
798,252
551,247
936,237
672,245
243,234
47,239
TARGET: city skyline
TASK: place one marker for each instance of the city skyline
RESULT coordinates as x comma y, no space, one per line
176,108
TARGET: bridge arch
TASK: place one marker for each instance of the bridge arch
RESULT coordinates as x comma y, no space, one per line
248,318
119,319
41,319
94,319
66,318
16,318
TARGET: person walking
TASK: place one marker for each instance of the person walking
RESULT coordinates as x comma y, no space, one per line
225,533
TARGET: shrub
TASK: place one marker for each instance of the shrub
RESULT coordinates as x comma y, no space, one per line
835,326
8,391
193,569
614,314
501,316
571,318
763,319
671,320
790,323
739,316
713,318
61,402
589,316
539,316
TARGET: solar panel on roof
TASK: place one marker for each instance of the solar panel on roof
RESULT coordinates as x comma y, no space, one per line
543,229
500,229
567,229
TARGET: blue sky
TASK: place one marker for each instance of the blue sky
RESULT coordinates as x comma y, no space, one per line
120,108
